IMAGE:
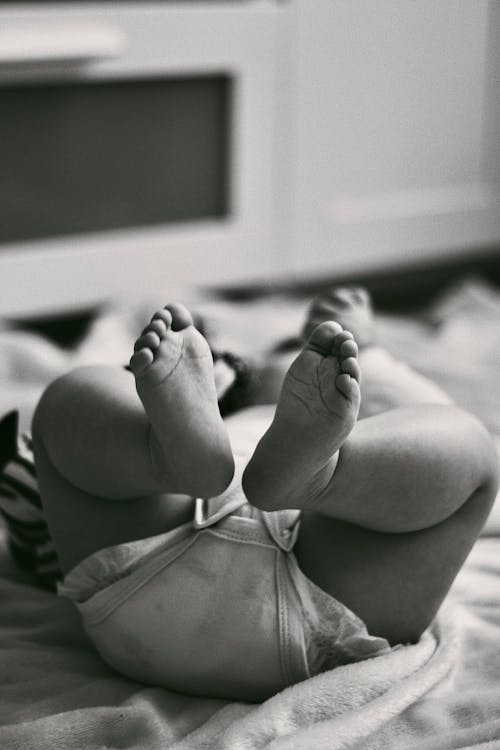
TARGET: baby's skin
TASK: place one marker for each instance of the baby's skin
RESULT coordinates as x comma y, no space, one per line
173,368
316,411
296,457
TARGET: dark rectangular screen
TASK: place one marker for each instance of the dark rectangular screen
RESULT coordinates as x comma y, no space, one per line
96,156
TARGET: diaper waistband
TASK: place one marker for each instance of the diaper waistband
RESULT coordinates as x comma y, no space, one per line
282,525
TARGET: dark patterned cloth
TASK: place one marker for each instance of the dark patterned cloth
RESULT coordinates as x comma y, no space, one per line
28,535
238,395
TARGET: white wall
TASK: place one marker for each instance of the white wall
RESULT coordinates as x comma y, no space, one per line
490,158
396,139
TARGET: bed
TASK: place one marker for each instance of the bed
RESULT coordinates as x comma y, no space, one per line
443,692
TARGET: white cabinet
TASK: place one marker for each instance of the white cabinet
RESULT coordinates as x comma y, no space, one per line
395,131
77,174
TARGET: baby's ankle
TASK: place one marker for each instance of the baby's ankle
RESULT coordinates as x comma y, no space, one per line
272,481
208,474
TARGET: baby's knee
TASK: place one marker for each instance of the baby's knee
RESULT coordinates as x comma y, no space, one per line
482,475
465,440
52,407
47,409
484,454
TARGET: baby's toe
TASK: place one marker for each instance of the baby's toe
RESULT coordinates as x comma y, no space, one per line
342,336
164,315
181,317
340,339
351,367
348,348
141,360
149,340
323,336
347,385
157,326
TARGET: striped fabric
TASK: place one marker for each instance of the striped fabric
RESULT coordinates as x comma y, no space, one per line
29,539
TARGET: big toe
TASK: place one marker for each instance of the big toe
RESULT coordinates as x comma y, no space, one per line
181,317
322,337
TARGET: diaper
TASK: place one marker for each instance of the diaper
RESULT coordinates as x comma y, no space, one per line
217,607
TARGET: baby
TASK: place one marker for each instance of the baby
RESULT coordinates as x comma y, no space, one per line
235,557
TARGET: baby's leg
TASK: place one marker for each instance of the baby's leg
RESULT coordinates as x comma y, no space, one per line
417,465
391,508
108,442
96,442
387,382
395,582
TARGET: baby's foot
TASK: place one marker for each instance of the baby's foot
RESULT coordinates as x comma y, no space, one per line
317,409
174,375
349,306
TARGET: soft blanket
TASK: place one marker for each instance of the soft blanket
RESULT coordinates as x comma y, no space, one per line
443,692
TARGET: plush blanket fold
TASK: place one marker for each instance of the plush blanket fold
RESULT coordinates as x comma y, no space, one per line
56,692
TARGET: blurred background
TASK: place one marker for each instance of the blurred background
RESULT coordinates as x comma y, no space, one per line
150,148
234,151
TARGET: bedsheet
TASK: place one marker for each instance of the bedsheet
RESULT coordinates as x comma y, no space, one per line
444,692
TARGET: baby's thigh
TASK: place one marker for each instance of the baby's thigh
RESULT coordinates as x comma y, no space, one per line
81,523
388,383
395,582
